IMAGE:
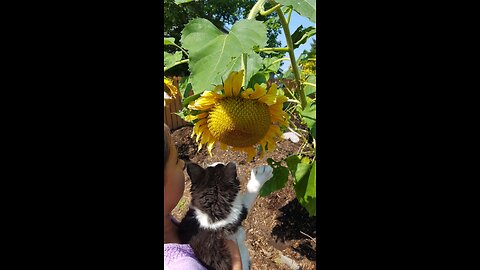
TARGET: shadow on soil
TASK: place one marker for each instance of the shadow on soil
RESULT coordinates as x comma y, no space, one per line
294,218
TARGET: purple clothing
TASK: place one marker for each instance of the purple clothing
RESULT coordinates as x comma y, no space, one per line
180,256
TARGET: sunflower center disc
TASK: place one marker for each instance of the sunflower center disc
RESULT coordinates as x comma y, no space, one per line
239,122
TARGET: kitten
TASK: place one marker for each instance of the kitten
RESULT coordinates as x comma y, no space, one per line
217,211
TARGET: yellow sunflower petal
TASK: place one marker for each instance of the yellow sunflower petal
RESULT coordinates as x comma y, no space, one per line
206,101
198,116
210,147
247,93
237,83
259,92
270,97
228,84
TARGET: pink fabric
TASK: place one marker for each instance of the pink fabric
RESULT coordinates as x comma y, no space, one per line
180,256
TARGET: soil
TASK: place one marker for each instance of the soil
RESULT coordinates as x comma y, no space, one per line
279,232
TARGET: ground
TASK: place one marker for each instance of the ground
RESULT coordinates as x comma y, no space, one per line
280,234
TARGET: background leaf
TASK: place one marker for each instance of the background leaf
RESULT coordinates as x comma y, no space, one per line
169,59
169,41
309,116
304,182
210,50
300,33
309,90
178,2
278,180
306,8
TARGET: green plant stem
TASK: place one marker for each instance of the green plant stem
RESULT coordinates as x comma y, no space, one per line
244,67
289,15
311,84
185,52
251,15
294,65
281,59
272,49
176,64
265,13
256,9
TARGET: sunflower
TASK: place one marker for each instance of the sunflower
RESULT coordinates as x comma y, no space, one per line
169,91
238,118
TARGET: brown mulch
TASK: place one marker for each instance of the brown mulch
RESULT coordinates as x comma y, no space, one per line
277,225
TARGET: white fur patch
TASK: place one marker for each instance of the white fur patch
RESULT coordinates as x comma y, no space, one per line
216,163
234,215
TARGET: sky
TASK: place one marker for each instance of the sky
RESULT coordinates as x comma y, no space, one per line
295,21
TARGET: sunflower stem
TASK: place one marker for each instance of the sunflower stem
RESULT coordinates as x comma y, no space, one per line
294,65
255,9
265,13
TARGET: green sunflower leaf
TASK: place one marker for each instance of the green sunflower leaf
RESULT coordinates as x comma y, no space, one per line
304,182
309,116
211,51
306,8
270,66
278,180
169,41
259,78
169,59
301,35
254,64
310,197
309,89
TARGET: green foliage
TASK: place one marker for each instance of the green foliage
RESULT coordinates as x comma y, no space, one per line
220,12
278,180
301,35
306,8
309,116
169,59
304,181
211,51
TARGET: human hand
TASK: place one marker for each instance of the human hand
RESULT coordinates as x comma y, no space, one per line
234,253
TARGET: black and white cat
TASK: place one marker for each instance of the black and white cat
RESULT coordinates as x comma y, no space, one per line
217,211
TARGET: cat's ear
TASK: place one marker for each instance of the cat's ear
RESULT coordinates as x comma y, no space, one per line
231,169
194,171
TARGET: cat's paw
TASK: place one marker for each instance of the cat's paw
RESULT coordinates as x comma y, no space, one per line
259,176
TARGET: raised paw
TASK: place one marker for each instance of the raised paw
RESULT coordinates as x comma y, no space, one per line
259,176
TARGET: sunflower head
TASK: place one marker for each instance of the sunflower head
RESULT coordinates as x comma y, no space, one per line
238,118
169,91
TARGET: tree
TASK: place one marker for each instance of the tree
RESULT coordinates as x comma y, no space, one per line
220,12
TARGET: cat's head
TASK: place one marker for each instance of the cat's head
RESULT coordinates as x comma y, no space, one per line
214,188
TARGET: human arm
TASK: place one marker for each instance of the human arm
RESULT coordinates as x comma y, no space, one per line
235,254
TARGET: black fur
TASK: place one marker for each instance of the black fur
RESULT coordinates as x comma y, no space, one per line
213,191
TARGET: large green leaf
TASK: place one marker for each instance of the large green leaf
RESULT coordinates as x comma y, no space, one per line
210,50
309,89
254,64
270,66
306,8
309,116
304,182
278,180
